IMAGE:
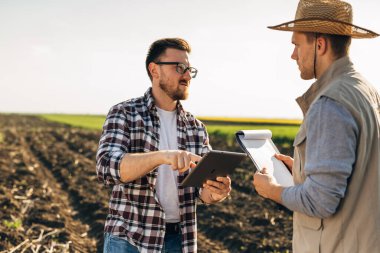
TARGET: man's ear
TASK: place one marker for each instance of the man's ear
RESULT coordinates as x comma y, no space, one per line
322,45
153,70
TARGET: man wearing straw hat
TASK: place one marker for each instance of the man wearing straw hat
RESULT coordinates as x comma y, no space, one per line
336,166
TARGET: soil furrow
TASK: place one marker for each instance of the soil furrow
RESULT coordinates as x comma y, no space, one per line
76,174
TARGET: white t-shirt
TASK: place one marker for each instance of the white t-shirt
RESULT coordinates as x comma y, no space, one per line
167,182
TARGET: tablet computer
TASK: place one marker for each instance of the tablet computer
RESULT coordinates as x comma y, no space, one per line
214,164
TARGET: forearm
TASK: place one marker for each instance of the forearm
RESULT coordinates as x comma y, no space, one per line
134,166
314,199
275,193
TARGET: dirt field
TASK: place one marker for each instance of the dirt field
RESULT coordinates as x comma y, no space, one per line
51,201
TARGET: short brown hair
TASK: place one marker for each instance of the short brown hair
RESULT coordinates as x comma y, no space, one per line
340,44
159,47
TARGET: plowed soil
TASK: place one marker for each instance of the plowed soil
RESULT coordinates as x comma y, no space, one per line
51,201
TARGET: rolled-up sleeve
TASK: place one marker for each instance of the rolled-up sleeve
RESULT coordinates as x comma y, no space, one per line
113,145
330,156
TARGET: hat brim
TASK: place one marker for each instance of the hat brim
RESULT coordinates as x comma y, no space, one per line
326,26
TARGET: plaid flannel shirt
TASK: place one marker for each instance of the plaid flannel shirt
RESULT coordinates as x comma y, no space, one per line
134,210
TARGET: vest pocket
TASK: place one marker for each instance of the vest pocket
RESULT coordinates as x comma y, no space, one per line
308,221
307,233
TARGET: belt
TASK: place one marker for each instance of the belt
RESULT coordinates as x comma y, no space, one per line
173,228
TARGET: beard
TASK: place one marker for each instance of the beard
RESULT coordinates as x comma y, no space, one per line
307,71
307,75
175,93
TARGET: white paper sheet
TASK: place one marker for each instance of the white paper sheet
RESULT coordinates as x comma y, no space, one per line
259,146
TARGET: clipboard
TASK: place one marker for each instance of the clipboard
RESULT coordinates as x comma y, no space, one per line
260,148
214,164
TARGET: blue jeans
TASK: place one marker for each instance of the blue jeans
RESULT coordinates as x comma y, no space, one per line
114,244
173,243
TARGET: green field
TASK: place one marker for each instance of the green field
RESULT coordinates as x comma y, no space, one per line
280,128
85,121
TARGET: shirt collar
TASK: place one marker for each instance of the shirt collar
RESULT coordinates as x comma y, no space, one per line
337,68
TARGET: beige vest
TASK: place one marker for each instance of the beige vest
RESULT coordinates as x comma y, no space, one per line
355,227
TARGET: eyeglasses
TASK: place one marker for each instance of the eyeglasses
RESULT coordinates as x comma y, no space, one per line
181,68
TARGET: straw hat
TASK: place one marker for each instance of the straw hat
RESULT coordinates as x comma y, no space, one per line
325,16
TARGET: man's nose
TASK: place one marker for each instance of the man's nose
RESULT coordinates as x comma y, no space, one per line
187,74
294,54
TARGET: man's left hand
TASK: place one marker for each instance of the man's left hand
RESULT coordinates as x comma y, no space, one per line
219,189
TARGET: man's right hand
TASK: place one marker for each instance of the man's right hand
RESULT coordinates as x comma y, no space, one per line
181,160
287,160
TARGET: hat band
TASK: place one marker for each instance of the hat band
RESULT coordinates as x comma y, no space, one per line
324,25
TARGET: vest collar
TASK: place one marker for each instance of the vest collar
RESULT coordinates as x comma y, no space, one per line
337,68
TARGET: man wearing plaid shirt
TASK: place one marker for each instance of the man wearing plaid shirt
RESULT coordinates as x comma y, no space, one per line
147,146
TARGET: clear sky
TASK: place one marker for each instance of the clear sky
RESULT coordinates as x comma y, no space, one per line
83,56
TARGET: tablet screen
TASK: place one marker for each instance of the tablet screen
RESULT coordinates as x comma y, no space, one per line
214,164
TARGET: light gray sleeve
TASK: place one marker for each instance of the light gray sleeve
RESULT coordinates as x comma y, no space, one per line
330,156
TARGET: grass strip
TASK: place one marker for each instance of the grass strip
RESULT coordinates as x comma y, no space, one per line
85,121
